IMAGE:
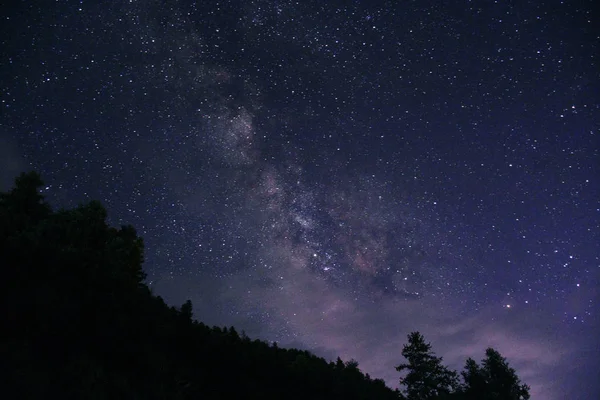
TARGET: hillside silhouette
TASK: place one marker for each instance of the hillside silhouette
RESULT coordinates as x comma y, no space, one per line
79,323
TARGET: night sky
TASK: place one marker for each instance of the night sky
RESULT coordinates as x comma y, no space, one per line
332,175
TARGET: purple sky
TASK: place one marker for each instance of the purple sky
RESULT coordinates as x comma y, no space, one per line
334,176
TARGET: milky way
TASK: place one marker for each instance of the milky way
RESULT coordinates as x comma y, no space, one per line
333,176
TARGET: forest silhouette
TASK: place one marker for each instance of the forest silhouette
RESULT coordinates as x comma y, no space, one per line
78,322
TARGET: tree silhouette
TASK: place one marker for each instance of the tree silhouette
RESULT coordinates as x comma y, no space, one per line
186,310
427,378
493,380
474,381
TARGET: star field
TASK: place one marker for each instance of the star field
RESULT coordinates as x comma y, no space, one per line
332,176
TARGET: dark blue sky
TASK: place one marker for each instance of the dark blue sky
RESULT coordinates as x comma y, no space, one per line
333,175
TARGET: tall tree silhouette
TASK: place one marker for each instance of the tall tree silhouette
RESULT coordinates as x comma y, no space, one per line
427,378
186,310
